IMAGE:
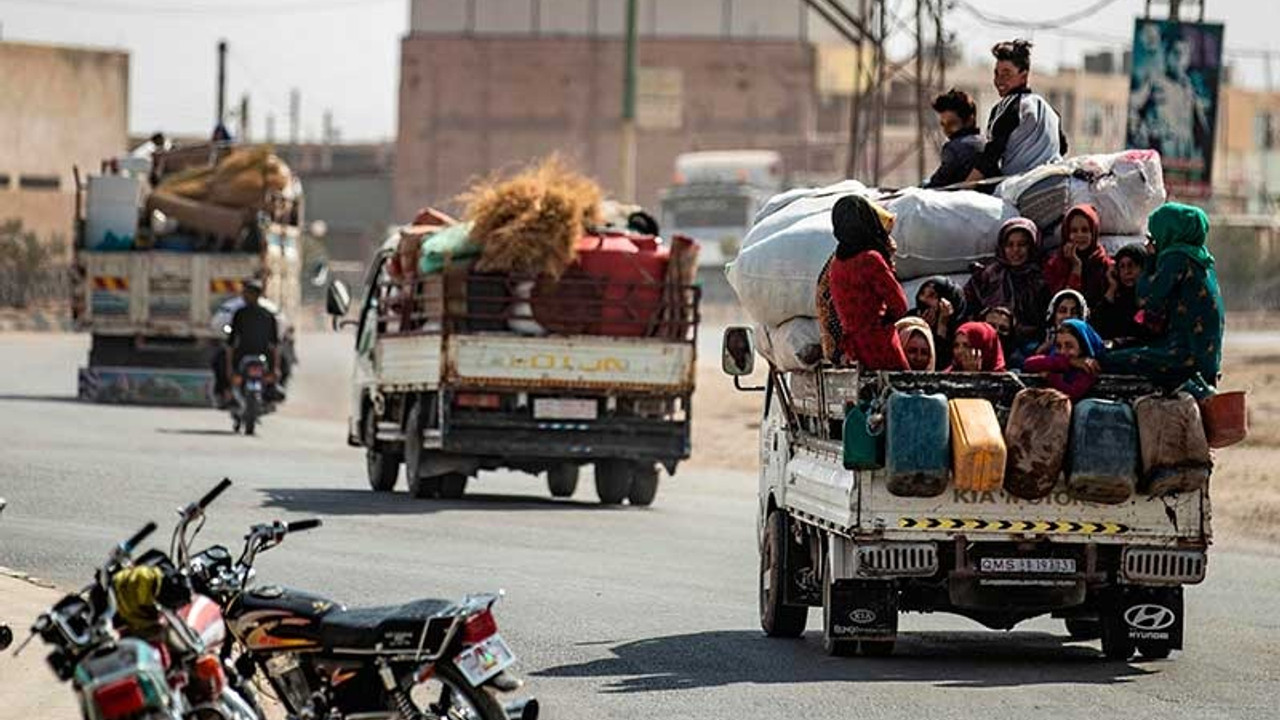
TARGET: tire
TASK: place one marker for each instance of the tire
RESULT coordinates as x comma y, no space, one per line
452,486
423,488
1084,628
777,619
418,487
483,699
1154,651
644,485
834,647
562,480
382,467
613,481
250,425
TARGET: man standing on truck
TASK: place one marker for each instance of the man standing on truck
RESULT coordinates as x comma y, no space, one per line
254,331
1023,130
958,116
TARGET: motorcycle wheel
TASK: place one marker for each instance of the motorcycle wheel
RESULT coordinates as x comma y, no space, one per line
448,695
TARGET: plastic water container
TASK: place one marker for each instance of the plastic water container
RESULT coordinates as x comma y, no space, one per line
917,445
1175,451
977,445
1036,434
1226,420
862,450
111,211
1104,452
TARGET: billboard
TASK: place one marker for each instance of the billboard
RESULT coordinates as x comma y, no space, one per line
1173,99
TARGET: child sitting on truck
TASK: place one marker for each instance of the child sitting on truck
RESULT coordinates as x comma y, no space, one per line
864,293
977,349
1073,363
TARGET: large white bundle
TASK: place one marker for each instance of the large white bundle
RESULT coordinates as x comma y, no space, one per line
776,277
788,208
1124,187
794,345
941,232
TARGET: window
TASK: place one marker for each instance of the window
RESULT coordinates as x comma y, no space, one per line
4,181
1264,131
39,182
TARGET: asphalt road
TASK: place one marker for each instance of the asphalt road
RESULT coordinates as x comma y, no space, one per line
614,612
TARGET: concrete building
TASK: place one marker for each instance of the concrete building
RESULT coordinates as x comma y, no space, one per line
485,84
62,107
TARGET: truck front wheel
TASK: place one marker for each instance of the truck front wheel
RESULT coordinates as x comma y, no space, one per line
613,481
777,618
644,485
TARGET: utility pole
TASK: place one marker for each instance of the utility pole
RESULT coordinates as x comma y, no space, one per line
243,120
629,108
222,82
295,114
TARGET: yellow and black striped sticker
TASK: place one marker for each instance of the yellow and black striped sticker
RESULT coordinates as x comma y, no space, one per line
221,286
1039,527
110,282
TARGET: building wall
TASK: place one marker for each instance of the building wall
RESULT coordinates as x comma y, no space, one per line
59,107
472,104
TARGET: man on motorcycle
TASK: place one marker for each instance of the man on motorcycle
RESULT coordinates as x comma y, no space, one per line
254,331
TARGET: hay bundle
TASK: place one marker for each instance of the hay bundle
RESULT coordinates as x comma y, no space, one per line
239,180
530,223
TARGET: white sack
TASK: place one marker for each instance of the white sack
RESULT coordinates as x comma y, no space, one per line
785,209
1124,187
941,232
790,344
776,278
1112,243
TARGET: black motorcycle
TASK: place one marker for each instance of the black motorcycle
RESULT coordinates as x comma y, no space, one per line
422,660
254,394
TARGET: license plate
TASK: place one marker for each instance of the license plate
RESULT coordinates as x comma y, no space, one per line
480,662
1028,565
564,409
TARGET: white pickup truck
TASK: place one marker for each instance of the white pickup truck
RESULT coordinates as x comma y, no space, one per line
456,376
838,539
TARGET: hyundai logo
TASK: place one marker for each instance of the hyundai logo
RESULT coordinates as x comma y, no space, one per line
1149,617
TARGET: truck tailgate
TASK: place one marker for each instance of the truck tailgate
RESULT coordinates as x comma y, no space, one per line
999,516
408,362
578,362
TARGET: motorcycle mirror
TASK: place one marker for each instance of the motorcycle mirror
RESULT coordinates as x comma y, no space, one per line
338,299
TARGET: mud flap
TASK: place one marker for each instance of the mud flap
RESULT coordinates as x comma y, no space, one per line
863,610
1152,616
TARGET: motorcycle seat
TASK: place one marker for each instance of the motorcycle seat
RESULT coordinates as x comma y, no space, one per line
395,627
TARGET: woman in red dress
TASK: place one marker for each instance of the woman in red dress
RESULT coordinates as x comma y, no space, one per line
864,293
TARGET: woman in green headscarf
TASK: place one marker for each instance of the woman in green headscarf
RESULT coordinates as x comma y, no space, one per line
1180,293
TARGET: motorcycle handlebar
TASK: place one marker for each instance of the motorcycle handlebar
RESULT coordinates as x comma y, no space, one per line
213,494
300,525
133,542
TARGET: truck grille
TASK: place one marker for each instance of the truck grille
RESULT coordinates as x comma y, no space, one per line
1154,565
898,559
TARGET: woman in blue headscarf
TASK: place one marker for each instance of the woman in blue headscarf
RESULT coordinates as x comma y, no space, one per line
1073,362
1179,293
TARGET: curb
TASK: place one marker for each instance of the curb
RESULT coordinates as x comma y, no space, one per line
24,577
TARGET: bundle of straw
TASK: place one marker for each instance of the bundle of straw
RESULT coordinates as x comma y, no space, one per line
530,222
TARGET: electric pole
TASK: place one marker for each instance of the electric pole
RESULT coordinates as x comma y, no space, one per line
222,82
243,120
629,108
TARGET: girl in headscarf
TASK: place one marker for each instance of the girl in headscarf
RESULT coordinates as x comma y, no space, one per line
977,349
1001,318
1014,279
940,303
1116,315
861,287
916,338
1081,263
1072,364
1181,292
1065,304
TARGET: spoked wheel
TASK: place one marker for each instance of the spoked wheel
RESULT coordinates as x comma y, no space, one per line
777,618
447,694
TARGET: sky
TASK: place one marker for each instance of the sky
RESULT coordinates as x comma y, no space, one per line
343,55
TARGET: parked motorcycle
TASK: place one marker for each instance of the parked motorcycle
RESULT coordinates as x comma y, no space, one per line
422,660
254,394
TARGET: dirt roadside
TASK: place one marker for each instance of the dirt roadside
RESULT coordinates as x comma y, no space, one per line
41,695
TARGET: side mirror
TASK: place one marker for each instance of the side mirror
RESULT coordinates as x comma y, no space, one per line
739,355
318,273
338,299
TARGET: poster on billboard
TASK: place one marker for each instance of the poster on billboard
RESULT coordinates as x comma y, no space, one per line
1173,99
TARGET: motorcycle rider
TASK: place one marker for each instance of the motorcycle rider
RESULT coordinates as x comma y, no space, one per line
254,331
222,322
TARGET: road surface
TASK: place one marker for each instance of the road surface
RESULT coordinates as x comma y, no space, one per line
615,612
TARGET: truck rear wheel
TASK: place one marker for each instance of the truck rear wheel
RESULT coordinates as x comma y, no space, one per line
1084,628
644,485
613,481
777,618
836,647
562,480
382,468
1116,644
453,486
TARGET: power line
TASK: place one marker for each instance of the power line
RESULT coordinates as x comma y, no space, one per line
1003,21
230,11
